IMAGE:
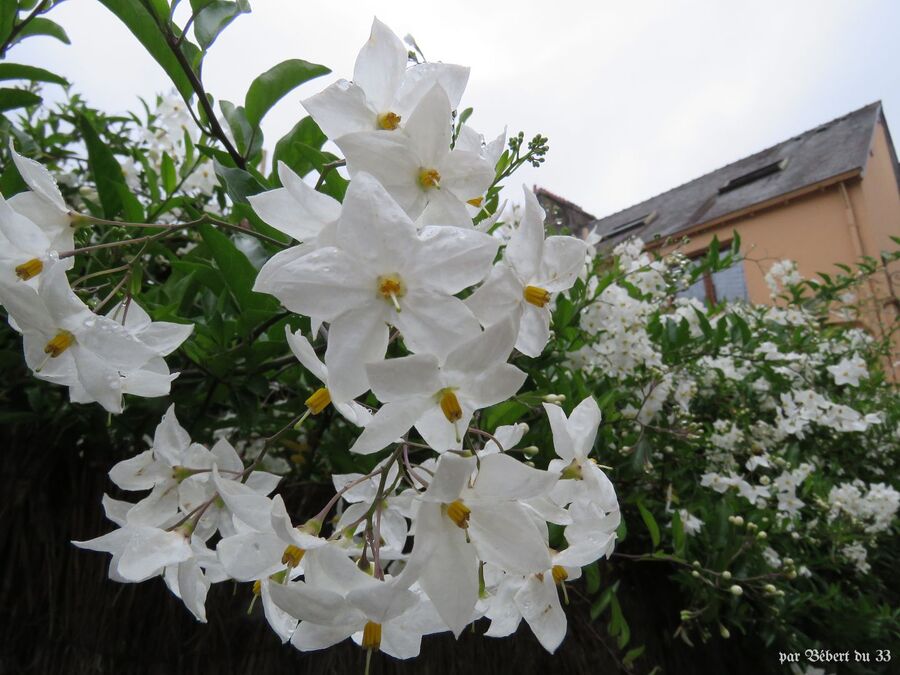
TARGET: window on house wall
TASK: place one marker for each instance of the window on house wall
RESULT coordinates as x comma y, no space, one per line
727,284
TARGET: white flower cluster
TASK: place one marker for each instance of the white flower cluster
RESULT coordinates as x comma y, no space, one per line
782,274
389,265
99,357
801,408
874,505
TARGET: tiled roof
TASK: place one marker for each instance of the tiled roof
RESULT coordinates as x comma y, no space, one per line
829,150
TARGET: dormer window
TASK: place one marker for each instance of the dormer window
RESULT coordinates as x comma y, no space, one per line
633,224
753,176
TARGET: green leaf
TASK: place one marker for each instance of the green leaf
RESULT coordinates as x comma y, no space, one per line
18,71
633,654
144,27
43,26
592,577
650,522
104,167
306,132
678,538
239,184
168,175
213,19
10,99
267,89
8,12
248,139
603,601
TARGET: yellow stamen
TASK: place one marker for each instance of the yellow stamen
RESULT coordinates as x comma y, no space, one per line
318,401
537,296
458,513
292,556
476,201
60,343
559,574
429,178
371,636
450,405
389,121
257,587
391,287
29,269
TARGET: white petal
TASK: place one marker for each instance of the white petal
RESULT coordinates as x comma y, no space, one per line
389,424
562,440
281,622
502,477
38,179
308,603
539,604
310,636
341,109
141,472
421,78
355,338
380,66
324,283
434,323
453,258
149,550
387,156
494,386
534,330
395,379
504,535
373,227
383,601
526,246
246,504
428,128
499,297
192,588
466,174
450,578
450,477
563,260
306,354
251,555
484,351
582,425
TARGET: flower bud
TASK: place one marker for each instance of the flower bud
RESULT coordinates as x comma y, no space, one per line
736,590
726,575
724,632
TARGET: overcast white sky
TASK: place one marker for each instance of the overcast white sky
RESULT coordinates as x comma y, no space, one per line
636,97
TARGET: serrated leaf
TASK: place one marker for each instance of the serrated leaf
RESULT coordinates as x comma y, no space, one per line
18,71
269,88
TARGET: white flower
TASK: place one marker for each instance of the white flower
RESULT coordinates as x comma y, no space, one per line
337,600
849,371
296,209
459,523
418,168
440,399
573,440
380,271
351,410
522,284
383,92
43,203
66,343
